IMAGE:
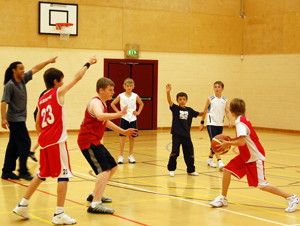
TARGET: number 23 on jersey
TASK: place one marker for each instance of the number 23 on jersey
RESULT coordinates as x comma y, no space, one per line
47,116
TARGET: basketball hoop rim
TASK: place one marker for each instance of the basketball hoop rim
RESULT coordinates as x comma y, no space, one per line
59,25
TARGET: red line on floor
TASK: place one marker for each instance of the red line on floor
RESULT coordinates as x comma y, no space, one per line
124,218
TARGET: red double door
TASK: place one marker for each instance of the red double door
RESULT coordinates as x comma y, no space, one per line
144,74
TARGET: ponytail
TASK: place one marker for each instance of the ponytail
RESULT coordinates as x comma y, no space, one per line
9,74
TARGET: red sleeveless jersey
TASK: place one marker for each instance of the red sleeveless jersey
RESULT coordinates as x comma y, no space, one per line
252,150
91,129
52,119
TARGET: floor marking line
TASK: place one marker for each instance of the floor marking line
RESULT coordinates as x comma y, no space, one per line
124,218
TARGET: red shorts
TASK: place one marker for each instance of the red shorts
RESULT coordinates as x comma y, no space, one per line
55,162
254,171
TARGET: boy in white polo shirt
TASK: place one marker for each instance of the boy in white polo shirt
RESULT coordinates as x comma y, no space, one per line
128,98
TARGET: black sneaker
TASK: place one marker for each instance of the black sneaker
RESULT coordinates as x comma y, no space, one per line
31,155
26,176
100,208
103,199
10,176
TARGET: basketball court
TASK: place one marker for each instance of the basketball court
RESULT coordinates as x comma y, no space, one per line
144,194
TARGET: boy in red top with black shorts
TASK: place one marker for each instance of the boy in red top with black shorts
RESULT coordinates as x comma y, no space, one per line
51,127
89,141
249,162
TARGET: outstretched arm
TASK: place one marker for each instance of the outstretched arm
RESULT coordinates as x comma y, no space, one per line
40,66
128,132
240,141
66,87
141,106
96,108
113,104
204,113
168,89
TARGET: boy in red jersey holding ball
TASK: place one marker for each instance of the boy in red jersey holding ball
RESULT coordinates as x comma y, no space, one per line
249,162
95,121
51,127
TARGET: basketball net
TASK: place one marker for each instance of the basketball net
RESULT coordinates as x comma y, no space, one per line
65,30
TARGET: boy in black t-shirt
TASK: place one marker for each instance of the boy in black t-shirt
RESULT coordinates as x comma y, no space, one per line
181,126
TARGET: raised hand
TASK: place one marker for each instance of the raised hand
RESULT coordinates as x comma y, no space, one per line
168,87
93,60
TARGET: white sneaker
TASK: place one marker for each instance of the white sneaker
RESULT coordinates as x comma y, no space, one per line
21,211
120,159
220,165
171,173
131,159
292,203
63,218
210,162
194,174
220,201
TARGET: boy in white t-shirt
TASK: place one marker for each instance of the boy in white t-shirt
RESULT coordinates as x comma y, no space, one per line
218,108
249,162
128,98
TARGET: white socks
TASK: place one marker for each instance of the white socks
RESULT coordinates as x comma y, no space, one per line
59,210
24,202
94,204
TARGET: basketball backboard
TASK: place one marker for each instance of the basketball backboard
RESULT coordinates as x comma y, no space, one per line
51,13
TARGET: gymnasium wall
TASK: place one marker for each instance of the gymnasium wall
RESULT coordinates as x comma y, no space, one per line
195,41
190,73
180,26
271,27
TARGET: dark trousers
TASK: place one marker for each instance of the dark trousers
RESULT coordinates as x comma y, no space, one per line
212,132
188,153
18,146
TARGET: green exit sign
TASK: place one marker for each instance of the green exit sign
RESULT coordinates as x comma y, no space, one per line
132,53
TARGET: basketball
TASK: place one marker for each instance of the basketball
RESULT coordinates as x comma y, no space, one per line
216,141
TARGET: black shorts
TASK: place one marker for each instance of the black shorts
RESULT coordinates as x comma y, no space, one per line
214,131
124,124
99,158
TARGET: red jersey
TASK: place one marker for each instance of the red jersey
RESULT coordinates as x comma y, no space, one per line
91,129
52,119
252,150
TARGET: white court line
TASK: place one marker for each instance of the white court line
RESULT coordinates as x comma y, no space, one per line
202,204
275,152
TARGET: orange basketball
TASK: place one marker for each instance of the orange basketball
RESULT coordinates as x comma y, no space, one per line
216,141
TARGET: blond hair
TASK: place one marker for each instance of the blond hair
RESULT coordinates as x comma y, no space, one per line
129,81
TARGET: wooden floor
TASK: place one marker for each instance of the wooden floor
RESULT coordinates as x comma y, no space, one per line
145,194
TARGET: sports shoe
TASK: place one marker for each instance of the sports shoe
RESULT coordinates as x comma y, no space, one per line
120,159
292,203
131,159
100,208
210,162
31,155
21,211
171,173
63,218
11,176
194,174
104,199
220,165
26,176
220,201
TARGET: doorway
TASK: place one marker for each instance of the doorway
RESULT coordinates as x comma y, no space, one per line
145,76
